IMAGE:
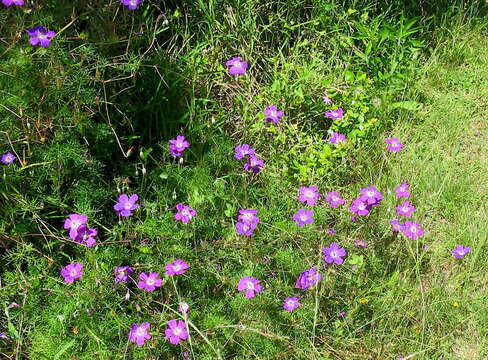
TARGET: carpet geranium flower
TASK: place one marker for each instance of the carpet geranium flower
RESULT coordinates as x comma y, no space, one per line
177,267
405,209
308,195
149,281
176,331
371,195
334,254
250,285
131,4
360,207
86,236
291,303
273,114
184,213
308,279
245,228
412,230
396,225
337,138
394,144
236,66
327,100
303,217
126,205
39,36
13,2
71,272
248,215
254,164
183,307
7,158
178,146
73,222
403,190
243,151
335,114
139,333
460,251
334,199
122,273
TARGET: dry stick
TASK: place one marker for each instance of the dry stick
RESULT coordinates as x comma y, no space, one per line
110,123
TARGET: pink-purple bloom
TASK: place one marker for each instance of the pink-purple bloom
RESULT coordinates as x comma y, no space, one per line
290,303
335,114
7,158
250,285
371,195
184,213
360,243
183,307
243,151
248,215
177,267
337,138
178,146
139,333
303,217
308,279
396,225
334,254
39,36
460,251
86,236
254,164
245,228
71,272
131,4
412,230
73,222
149,281
236,66
126,205
394,144
327,100
13,2
405,209
360,207
176,331
403,190
273,114
308,195
122,273
334,199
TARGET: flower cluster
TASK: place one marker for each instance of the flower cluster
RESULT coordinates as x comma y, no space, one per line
253,163
368,197
178,146
247,221
410,229
79,231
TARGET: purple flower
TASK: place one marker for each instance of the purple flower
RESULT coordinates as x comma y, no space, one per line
273,114
86,236
178,145
303,217
290,303
402,190
337,138
405,209
126,205
177,267
394,144
371,195
342,314
359,207
236,66
13,2
149,282
308,278
335,114
185,213
176,331
333,254
460,251
73,222
131,4
249,216
245,228
308,195
183,307
139,333
250,285
331,231
327,100
122,273
40,36
334,199
412,230
71,272
2,335
254,163
396,225
7,158
243,150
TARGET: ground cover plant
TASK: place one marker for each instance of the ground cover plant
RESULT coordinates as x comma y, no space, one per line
243,179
